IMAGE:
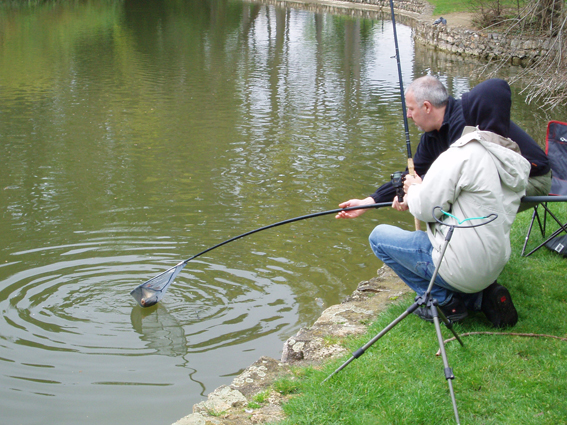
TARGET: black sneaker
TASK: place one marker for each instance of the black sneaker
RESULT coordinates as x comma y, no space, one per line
498,307
454,310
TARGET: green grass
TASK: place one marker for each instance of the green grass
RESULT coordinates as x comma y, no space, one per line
450,6
499,379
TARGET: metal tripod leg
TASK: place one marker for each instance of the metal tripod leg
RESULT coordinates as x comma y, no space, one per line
448,323
448,371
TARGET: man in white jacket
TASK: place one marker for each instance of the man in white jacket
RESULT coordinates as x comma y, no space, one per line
481,173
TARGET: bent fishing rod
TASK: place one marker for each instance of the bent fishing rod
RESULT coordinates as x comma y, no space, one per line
153,290
411,167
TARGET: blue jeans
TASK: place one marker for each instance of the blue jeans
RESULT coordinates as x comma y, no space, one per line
409,255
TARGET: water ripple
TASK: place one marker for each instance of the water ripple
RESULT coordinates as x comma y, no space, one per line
69,305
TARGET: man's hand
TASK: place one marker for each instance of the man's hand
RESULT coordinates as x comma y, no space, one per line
409,180
354,203
400,206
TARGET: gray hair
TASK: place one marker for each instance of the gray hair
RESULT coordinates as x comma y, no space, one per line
429,88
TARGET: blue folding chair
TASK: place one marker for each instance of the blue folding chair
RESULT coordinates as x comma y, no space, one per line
556,150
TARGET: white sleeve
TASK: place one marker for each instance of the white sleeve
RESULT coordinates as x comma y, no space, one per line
440,187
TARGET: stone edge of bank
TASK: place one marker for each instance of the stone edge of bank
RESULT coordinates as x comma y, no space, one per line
235,404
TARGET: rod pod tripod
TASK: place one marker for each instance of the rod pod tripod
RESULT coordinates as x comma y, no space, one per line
427,301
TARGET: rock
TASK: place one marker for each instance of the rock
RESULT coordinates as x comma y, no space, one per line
197,419
221,400
311,345
259,376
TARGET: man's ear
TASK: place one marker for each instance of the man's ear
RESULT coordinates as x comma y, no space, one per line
428,106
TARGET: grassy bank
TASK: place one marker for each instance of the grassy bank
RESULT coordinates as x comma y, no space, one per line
499,378
452,6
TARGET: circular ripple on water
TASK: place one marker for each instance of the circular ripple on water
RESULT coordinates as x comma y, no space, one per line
76,299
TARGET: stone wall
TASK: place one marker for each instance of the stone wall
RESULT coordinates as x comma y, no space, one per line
482,44
468,41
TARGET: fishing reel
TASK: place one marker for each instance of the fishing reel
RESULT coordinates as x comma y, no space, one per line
398,183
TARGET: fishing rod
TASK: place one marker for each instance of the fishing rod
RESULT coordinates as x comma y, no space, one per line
411,167
153,290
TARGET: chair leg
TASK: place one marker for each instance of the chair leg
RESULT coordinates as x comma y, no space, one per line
544,219
562,228
534,215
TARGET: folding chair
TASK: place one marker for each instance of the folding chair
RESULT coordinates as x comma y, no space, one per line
556,150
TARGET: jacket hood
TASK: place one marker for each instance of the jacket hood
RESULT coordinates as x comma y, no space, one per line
487,106
512,167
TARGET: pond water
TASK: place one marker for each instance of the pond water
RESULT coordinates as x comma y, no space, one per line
137,134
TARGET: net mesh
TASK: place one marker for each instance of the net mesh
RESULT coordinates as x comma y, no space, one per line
152,291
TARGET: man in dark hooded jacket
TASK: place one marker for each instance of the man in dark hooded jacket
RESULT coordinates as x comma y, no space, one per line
441,118
482,173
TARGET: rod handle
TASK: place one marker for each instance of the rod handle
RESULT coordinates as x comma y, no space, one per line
411,170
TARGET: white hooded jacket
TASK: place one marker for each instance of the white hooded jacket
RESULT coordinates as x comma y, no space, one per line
480,174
